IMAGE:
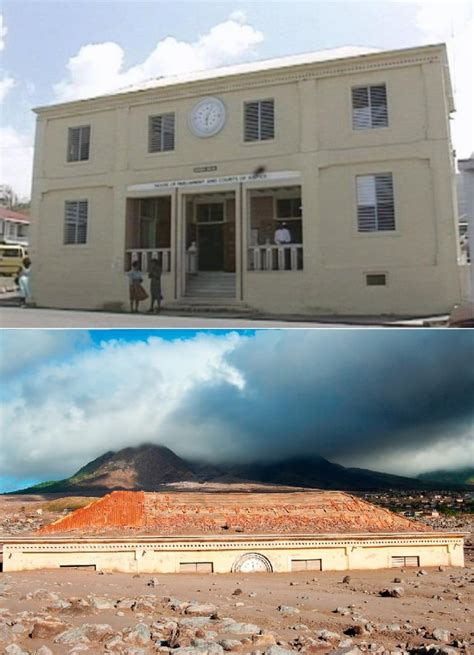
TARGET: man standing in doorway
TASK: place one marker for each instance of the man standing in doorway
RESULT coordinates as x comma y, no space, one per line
282,235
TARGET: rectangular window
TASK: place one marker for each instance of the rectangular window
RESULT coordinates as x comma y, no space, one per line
375,203
259,120
288,208
306,565
405,560
78,143
212,212
75,221
376,279
196,567
369,107
161,133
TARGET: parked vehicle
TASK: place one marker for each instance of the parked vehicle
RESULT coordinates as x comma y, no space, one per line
11,257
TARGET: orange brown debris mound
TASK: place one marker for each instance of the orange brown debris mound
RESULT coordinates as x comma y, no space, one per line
118,509
169,514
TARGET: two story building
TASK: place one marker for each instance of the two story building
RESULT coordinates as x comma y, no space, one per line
314,184
14,226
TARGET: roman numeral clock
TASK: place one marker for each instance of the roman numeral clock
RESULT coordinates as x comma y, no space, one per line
207,117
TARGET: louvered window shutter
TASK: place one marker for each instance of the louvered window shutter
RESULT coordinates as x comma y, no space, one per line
78,143
366,203
75,222
378,105
161,133
259,120
251,121
385,202
168,132
267,120
369,107
73,144
85,133
375,203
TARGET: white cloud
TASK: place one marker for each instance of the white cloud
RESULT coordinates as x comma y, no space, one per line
452,449
65,413
22,349
16,160
453,23
390,401
3,33
6,84
99,68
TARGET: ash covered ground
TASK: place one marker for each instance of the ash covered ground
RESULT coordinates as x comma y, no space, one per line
77,611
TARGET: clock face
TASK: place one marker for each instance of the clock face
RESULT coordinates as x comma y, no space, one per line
207,117
252,563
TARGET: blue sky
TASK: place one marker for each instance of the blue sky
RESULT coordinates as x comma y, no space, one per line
392,400
39,40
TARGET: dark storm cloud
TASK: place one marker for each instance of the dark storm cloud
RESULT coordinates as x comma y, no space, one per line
334,394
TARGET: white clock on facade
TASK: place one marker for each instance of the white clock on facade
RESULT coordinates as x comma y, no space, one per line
207,117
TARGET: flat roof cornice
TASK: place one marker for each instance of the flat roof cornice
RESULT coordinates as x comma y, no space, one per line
221,82
204,539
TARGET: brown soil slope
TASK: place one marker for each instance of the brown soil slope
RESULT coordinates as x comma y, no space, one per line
306,512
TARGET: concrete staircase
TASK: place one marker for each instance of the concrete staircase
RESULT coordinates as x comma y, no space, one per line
211,285
210,293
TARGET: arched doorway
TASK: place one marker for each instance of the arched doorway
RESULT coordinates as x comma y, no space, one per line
252,563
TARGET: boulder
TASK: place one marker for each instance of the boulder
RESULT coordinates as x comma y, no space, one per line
14,649
44,650
100,603
263,641
243,629
44,629
200,610
140,634
441,634
230,645
287,609
97,631
71,636
392,592
278,650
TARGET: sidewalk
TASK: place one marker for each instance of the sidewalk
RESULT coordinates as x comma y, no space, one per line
11,315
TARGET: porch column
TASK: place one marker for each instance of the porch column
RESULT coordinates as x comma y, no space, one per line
240,241
180,243
173,242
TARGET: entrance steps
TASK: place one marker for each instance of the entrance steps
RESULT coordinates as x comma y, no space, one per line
216,306
211,285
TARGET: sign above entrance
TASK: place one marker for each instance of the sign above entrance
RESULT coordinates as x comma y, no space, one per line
209,181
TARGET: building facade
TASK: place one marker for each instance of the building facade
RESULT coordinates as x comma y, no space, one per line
312,185
466,221
229,532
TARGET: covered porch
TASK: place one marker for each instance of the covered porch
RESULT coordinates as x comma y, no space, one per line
208,234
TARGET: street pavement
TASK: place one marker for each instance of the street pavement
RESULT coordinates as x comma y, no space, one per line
16,317
13,316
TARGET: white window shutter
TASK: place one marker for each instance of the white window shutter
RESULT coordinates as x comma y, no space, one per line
259,120
369,107
161,131
375,203
75,222
78,143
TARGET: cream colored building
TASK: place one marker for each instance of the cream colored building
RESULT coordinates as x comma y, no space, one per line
227,532
314,185
236,554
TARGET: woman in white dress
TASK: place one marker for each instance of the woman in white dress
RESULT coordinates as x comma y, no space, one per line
24,281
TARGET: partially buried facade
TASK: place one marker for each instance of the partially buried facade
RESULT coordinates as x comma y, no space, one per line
232,532
316,184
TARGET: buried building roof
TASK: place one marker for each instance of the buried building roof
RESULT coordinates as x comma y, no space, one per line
180,514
